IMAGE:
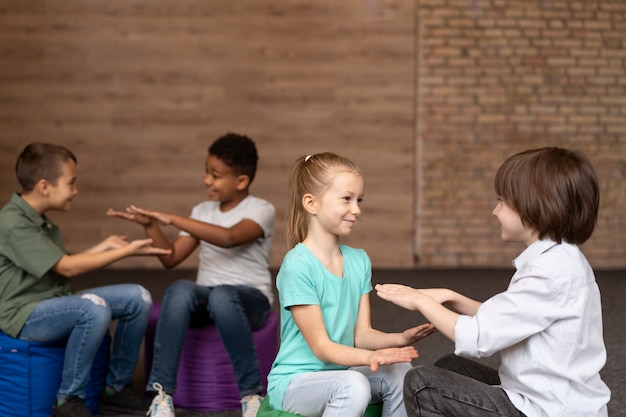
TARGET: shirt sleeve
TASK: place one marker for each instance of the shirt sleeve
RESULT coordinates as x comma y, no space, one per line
530,304
295,283
31,250
263,214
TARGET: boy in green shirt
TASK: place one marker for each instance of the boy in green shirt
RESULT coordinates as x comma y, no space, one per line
36,303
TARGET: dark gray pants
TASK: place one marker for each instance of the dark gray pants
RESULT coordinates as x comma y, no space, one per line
456,387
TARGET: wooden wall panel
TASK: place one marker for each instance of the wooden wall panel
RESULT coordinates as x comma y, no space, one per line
139,89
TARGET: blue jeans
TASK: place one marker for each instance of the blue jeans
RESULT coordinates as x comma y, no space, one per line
347,393
456,386
235,310
82,320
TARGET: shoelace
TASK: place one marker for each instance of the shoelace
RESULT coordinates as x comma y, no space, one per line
160,397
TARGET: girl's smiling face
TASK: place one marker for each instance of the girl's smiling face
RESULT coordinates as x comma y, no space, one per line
339,207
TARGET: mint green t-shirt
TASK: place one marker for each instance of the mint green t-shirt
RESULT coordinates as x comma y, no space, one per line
30,245
303,280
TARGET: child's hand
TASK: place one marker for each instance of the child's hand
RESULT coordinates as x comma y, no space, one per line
401,295
417,333
137,218
162,218
392,355
115,242
111,242
144,247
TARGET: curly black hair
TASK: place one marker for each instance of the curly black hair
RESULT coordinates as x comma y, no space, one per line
238,152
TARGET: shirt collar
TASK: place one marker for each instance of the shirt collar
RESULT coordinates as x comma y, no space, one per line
28,211
535,249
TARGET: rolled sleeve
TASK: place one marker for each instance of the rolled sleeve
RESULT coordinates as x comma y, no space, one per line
466,336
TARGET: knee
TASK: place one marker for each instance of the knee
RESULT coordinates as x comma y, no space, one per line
143,294
223,298
180,292
223,293
398,371
95,310
356,387
416,378
140,298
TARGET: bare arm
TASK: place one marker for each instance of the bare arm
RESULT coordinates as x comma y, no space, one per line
181,247
430,303
243,232
111,242
101,255
310,322
367,337
452,299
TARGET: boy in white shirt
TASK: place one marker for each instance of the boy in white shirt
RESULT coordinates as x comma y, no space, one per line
547,325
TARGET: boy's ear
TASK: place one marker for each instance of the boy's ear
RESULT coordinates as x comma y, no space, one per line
243,181
42,187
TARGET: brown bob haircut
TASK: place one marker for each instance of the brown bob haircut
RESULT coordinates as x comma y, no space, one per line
555,192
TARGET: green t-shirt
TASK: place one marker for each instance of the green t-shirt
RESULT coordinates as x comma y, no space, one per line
303,280
30,245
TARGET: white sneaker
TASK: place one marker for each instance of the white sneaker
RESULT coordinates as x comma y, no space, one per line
162,404
250,405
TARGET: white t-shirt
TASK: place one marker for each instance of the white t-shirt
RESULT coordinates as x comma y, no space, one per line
547,327
240,265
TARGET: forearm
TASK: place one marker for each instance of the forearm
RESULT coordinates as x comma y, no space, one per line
441,317
216,235
159,240
458,302
100,247
373,339
343,355
72,265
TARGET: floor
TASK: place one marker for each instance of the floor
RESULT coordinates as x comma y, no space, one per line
477,283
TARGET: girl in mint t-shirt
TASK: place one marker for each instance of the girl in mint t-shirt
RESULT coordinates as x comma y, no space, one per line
331,361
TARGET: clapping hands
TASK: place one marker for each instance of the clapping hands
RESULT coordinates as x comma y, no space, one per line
140,216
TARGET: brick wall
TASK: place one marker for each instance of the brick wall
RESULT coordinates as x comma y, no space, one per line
497,77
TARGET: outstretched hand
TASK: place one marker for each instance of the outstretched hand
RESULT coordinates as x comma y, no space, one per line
392,355
139,215
126,215
162,218
417,333
111,242
401,295
114,242
144,247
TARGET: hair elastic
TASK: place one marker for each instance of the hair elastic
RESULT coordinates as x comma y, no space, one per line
307,158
